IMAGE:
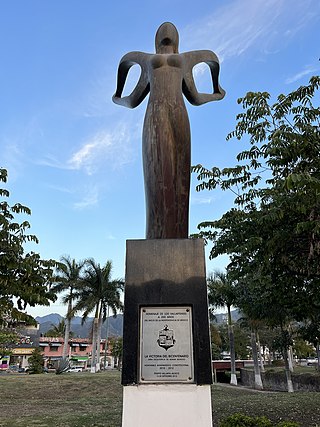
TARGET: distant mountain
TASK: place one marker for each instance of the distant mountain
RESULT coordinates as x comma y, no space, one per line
53,318
115,324
82,331
223,317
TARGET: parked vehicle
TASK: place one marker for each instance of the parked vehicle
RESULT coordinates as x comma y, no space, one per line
75,369
312,361
44,370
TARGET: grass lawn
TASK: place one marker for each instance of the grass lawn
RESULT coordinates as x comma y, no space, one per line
302,407
85,399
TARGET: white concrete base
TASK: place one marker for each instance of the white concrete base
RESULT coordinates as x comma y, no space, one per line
233,379
258,382
179,405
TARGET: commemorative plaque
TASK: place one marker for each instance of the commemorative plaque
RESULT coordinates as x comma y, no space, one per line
166,353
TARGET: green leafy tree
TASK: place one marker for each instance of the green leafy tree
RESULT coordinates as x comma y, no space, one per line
25,278
272,235
116,350
67,280
221,293
58,330
253,325
216,342
7,339
36,362
303,349
241,340
285,144
97,293
310,331
224,338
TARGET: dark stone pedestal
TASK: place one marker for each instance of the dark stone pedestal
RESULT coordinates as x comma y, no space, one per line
166,273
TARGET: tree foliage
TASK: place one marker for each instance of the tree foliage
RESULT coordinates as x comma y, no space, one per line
220,341
97,293
216,342
67,280
36,362
7,338
25,278
272,234
117,349
58,330
221,292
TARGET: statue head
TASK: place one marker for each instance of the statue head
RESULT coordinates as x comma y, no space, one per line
167,38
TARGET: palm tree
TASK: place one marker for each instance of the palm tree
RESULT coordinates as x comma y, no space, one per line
221,293
98,293
253,325
57,330
67,279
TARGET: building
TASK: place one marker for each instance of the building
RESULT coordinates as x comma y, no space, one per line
23,348
79,352
4,363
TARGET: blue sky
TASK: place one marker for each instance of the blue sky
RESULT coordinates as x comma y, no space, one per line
74,157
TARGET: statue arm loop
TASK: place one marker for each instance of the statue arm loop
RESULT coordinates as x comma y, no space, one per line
189,87
142,87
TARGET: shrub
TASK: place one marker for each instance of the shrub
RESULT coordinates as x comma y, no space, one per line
241,420
279,362
287,424
36,362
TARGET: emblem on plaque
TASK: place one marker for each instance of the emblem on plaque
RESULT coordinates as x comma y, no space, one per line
166,338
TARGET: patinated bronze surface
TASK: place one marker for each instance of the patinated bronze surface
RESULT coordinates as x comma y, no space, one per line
166,130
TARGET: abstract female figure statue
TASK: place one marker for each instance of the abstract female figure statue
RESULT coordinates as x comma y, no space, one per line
166,130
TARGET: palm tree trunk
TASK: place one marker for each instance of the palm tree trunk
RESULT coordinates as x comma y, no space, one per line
290,359
285,354
98,343
95,337
106,344
94,345
65,351
257,375
288,372
261,358
233,378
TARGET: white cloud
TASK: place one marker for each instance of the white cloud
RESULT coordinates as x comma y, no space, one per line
15,145
245,24
52,162
298,76
105,147
114,148
12,159
97,96
201,200
60,189
90,199
110,237
96,100
199,69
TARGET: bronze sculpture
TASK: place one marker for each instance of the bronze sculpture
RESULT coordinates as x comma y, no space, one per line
166,130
